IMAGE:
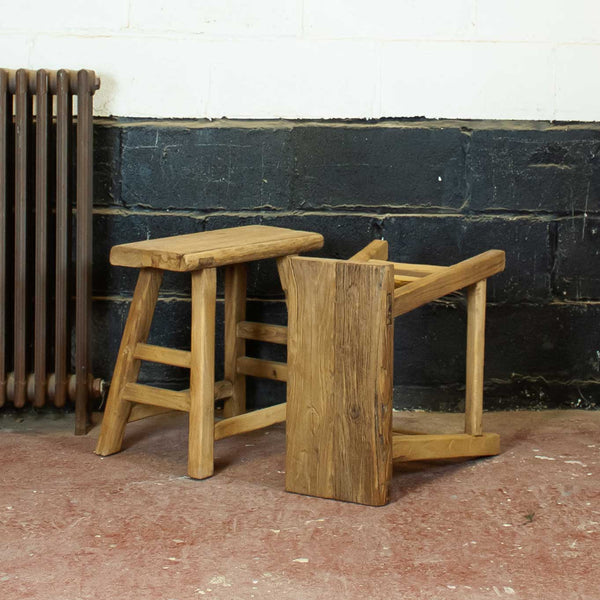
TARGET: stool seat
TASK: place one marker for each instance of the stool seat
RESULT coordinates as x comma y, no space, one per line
214,248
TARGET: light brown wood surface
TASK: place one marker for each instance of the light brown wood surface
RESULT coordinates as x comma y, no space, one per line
127,367
267,369
439,284
256,419
202,375
476,295
215,248
444,446
339,392
146,394
377,249
144,411
235,347
165,356
412,270
262,332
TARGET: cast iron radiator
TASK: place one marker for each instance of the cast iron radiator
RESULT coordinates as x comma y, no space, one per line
46,169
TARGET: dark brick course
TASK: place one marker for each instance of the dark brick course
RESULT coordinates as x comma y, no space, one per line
554,171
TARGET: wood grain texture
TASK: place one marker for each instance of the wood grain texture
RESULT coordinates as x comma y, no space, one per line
476,295
340,379
258,367
144,411
202,375
434,447
250,421
235,347
215,248
146,394
413,270
262,332
456,277
162,355
377,249
127,367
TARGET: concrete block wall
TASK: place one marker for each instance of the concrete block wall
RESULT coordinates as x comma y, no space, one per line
438,191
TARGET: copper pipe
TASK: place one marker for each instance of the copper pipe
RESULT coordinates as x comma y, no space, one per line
95,387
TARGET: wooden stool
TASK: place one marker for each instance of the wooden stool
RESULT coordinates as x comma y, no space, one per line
200,254
340,438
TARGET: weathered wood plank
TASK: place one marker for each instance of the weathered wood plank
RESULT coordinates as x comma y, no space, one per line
377,249
434,447
262,332
453,278
147,394
127,368
340,377
476,295
235,346
202,375
214,248
250,421
267,369
162,355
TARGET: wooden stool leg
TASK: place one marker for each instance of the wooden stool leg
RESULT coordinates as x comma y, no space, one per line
235,311
476,294
202,375
127,367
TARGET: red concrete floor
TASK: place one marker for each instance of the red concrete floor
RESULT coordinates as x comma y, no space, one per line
525,524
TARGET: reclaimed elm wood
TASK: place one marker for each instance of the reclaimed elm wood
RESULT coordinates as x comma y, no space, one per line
164,400
202,375
147,394
165,356
214,248
444,446
411,270
235,347
476,295
339,392
200,253
330,372
127,367
377,249
258,367
262,332
456,277
251,421
143,411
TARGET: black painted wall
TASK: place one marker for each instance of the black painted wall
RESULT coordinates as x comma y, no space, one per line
439,192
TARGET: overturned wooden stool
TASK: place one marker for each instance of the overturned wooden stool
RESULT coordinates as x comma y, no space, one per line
200,254
340,442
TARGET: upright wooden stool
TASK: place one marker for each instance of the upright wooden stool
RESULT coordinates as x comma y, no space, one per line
200,254
340,435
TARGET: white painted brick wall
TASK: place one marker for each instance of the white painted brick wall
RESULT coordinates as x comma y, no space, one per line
507,59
